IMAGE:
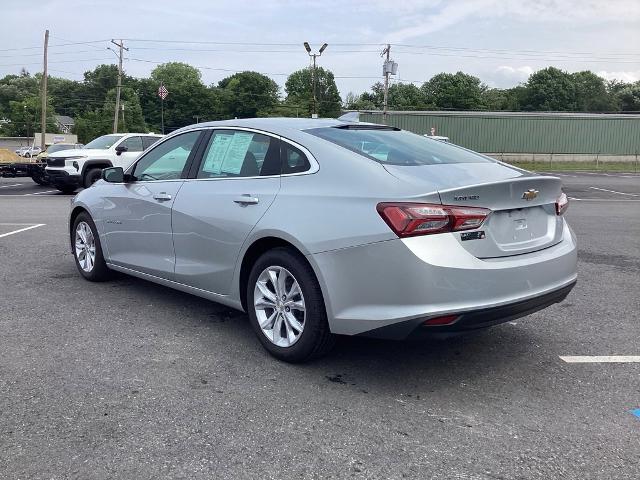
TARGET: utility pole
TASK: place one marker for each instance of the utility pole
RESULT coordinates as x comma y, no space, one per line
389,68
386,51
314,75
119,86
43,118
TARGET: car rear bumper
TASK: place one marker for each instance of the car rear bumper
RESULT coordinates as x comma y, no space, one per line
468,321
407,281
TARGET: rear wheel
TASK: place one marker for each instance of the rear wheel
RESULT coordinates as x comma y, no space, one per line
286,308
92,176
87,249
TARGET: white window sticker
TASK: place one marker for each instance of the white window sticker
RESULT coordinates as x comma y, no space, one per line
236,152
227,153
217,152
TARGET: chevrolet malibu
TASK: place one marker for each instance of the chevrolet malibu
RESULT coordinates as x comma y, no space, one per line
324,227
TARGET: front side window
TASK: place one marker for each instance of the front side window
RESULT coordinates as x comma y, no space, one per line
132,144
104,142
167,161
235,153
392,146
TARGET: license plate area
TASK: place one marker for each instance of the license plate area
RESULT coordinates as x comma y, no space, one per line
521,225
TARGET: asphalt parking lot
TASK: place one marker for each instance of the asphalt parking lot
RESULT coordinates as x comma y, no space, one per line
132,380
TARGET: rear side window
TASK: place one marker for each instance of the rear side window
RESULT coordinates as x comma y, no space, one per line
396,147
293,159
148,141
239,153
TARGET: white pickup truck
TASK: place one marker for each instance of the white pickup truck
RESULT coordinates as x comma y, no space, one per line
69,169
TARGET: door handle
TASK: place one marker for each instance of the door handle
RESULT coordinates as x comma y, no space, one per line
162,196
246,199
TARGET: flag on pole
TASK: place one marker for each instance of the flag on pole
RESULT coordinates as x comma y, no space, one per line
163,92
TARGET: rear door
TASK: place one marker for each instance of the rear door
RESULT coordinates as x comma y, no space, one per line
137,214
231,188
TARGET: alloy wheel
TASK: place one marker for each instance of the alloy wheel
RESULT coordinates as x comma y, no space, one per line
279,306
85,247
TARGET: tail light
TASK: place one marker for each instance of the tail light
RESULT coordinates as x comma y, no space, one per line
409,219
562,204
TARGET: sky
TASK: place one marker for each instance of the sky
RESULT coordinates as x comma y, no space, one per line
501,42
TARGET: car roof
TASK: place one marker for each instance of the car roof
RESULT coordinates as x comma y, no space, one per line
278,125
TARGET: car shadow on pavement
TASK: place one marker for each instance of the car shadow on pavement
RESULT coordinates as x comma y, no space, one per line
357,362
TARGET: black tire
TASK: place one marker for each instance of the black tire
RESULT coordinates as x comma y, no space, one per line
92,176
100,272
316,338
39,180
66,189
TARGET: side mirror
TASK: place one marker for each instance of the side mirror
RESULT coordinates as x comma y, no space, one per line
120,149
113,175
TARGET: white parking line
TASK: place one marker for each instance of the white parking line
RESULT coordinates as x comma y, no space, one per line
601,359
41,193
14,185
21,229
613,191
585,200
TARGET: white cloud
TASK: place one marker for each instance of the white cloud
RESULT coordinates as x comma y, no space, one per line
628,77
514,74
439,16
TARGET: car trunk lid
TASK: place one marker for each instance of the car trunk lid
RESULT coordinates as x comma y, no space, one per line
523,214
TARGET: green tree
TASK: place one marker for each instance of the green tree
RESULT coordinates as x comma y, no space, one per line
72,98
495,99
23,117
550,89
92,124
458,91
591,93
133,118
405,96
299,92
189,99
248,94
630,98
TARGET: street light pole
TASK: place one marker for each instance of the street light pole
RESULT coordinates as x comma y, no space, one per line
314,75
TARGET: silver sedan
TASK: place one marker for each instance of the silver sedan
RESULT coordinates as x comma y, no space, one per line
323,227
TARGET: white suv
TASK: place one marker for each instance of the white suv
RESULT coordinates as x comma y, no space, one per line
69,169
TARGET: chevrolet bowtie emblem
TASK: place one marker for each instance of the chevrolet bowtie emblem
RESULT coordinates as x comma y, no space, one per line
530,194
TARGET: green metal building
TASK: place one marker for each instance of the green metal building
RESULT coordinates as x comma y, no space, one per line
525,132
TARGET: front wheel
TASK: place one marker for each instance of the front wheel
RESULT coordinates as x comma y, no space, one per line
286,308
87,249
39,179
92,176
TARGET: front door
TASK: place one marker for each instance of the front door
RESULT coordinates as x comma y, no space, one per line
237,180
137,214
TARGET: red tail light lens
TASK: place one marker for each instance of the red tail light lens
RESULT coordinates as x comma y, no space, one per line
448,320
409,219
562,204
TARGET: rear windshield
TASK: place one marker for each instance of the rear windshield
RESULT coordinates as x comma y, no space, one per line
396,147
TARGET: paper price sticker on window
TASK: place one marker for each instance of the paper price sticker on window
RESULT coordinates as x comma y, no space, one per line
227,153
